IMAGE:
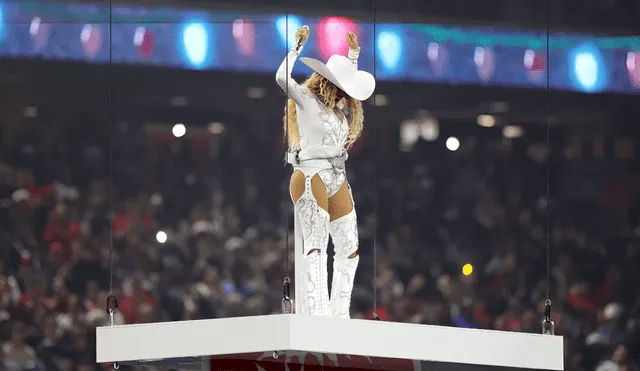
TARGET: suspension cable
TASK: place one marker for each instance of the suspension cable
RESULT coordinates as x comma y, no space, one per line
375,183
286,294
547,323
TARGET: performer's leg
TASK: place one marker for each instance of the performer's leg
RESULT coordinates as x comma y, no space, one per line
311,203
344,234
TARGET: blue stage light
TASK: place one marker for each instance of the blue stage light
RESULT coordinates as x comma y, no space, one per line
588,70
288,34
2,25
389,45
196,39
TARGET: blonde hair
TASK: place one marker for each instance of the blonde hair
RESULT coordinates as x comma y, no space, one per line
326,91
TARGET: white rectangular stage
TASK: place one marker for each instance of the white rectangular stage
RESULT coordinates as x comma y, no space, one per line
200,344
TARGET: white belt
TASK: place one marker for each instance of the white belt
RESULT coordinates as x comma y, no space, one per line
336,163
316,152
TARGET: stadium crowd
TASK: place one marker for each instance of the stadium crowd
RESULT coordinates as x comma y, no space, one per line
72,197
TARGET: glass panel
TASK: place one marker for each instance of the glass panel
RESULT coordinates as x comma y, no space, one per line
594,196
202,229
54,117
149,139
460,167
198,179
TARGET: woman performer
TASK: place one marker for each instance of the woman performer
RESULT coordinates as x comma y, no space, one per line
323,118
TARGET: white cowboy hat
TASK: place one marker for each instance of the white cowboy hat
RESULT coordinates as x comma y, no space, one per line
341,71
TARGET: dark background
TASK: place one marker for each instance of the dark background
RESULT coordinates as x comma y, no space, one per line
97,170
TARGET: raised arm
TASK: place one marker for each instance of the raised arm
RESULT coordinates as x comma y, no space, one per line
283,76
354,49
284,79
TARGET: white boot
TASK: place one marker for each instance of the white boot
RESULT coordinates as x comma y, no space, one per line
313,222
316,295
344,234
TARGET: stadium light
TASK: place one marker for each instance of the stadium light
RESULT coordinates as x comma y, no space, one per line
161,237
179,130
452,144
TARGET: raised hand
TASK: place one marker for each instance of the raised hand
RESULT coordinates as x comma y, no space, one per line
352,39
303,32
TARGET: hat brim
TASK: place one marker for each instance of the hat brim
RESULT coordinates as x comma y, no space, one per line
360,85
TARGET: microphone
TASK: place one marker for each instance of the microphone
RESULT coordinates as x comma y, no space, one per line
300,40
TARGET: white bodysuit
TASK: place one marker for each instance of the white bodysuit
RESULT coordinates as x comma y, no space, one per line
322,151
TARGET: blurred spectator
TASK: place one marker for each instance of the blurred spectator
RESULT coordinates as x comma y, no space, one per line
223,223
17,355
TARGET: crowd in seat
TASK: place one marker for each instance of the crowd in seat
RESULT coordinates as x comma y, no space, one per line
73,201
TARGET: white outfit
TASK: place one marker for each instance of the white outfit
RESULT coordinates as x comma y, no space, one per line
323,136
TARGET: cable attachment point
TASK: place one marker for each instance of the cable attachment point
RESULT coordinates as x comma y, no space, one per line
375,317
112,307
548,326
287,302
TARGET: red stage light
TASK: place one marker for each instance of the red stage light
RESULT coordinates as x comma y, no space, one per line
40,33
437,55
144,41
91,38
332,35
633,68
485,62
535,64
245,35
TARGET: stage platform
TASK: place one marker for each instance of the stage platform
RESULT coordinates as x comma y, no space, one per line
249,343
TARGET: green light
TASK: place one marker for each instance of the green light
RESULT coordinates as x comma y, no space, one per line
524,39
